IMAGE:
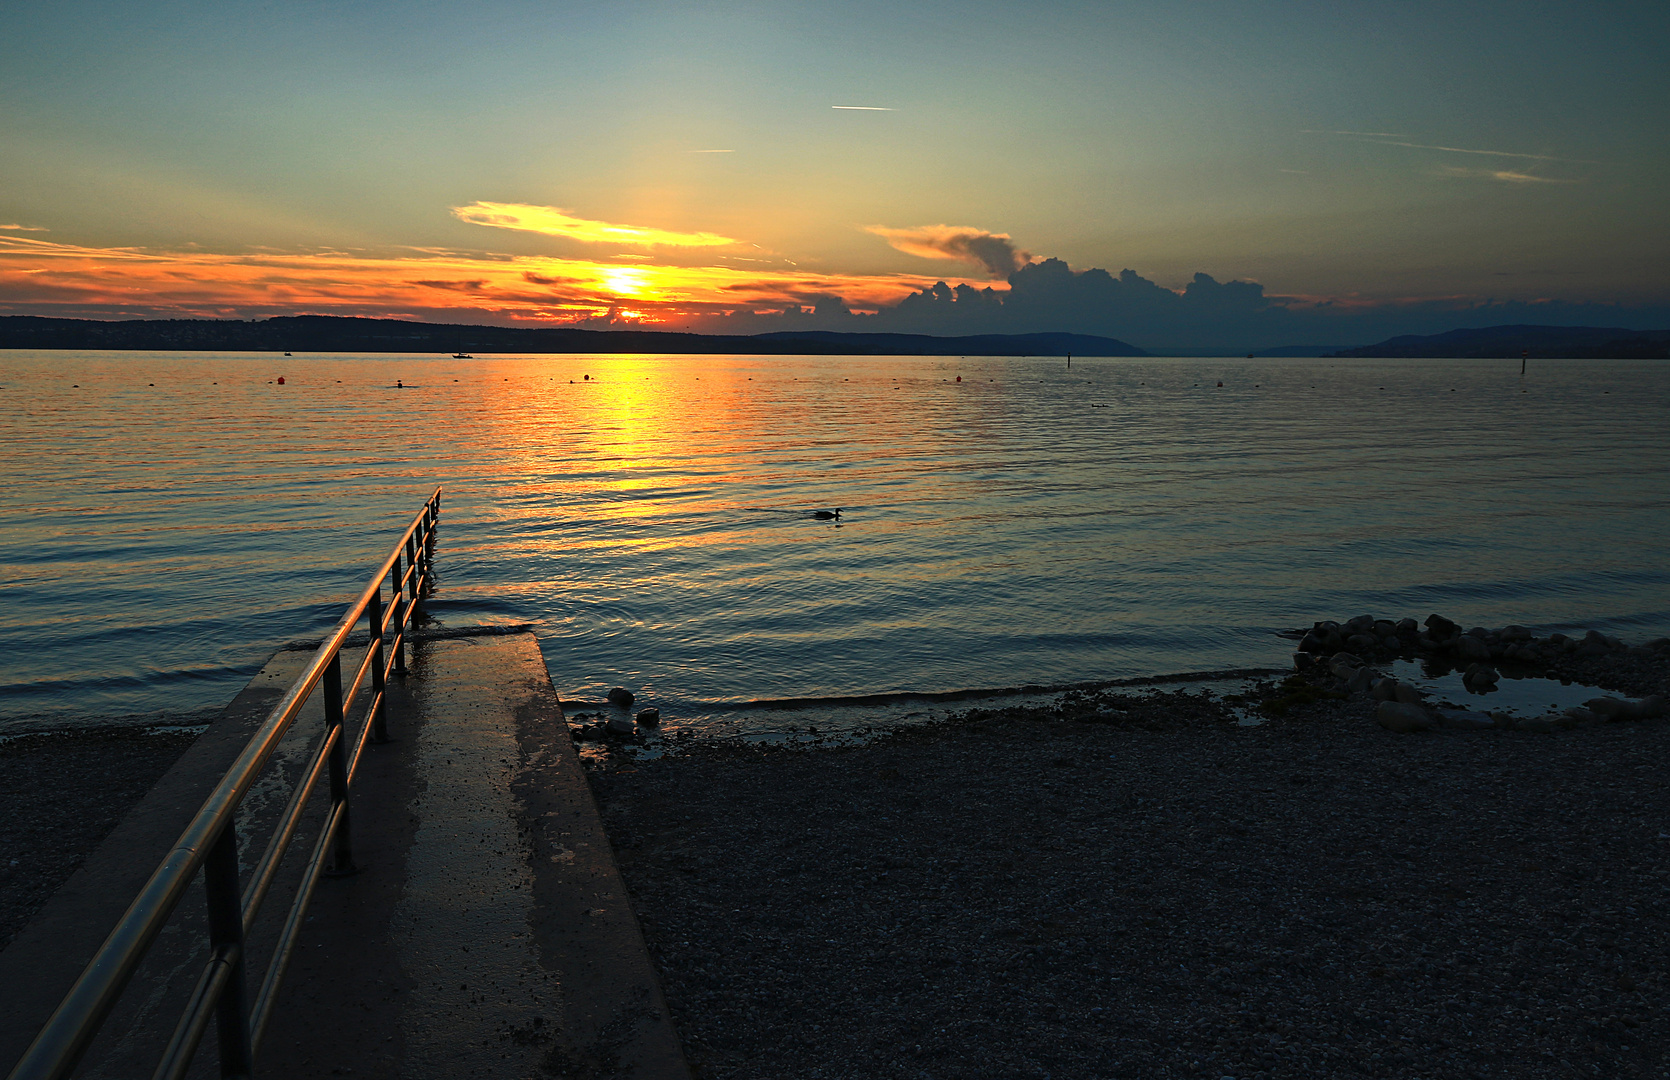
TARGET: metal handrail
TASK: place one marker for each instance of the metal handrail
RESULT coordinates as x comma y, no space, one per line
210,843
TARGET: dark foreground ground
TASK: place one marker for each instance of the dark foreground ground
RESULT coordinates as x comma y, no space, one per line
1159,893
1165,894
60,794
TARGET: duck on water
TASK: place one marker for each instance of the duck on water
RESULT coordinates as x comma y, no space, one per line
827,515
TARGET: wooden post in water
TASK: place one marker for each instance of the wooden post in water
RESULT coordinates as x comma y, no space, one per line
1524,354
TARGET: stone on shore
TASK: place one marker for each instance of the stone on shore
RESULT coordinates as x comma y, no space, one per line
1403,719
620,696
1611,708
1480,675
1469,647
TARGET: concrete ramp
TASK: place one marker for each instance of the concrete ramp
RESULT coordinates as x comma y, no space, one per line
487,932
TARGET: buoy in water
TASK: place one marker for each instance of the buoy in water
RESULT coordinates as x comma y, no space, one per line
959,378
280,381
1220,382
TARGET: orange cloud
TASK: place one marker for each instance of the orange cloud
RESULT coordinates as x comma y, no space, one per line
551,221
42,277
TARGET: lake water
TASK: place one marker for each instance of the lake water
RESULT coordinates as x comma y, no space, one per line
170,519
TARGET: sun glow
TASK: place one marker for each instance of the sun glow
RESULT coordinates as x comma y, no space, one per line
41,277
625,280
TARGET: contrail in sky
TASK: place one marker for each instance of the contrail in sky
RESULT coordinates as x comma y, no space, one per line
864,108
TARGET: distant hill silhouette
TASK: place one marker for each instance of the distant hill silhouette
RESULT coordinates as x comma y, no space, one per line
333,333
1542,342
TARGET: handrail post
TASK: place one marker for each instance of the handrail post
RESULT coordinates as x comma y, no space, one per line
431,514
226,939
414,559
342,849
379,714
398,600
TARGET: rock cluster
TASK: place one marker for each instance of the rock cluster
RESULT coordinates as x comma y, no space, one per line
1337,656
1373,638
618,725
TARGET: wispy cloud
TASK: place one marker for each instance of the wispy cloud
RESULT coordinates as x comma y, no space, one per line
864,108
993,252
1508,176
551,221
25,228
1387,138
1487,153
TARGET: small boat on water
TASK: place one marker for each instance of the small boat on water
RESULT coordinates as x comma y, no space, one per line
462,356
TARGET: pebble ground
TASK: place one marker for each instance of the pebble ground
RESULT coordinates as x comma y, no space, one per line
60,795
1160,893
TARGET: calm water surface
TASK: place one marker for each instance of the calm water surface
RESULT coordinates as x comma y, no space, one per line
171,518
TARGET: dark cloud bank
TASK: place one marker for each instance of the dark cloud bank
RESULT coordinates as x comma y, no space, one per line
1230,316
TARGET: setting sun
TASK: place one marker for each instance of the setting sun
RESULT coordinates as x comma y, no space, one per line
625,280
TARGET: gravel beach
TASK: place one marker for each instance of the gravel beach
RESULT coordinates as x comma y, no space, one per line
61,794
1151,890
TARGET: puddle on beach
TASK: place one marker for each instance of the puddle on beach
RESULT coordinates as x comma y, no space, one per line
1517,696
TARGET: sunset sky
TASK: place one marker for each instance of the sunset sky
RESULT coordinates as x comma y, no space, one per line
1360,169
